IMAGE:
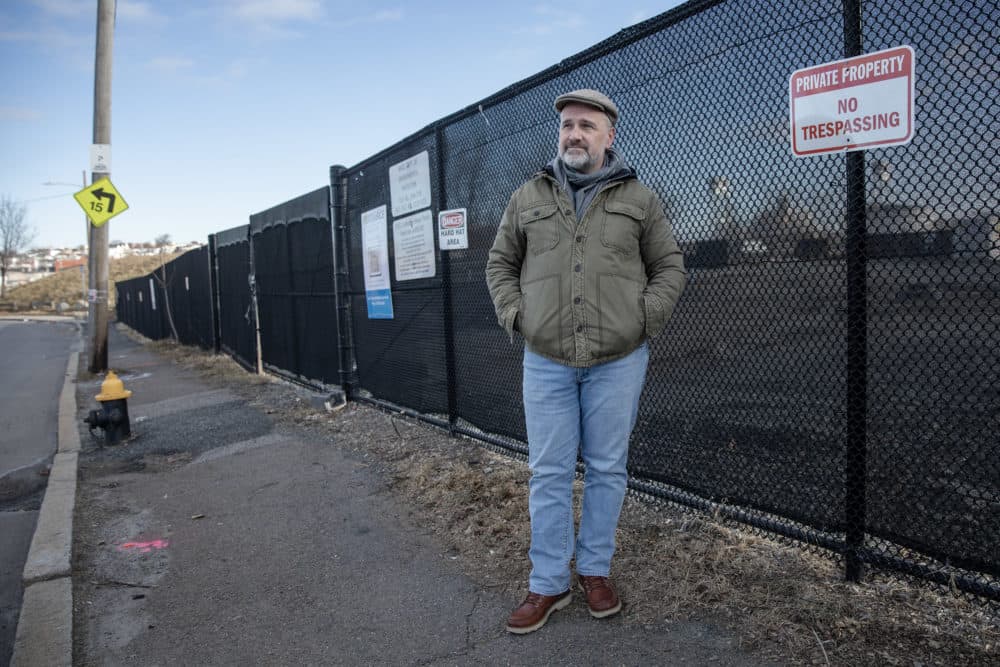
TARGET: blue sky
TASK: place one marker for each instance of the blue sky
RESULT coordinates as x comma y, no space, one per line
223,108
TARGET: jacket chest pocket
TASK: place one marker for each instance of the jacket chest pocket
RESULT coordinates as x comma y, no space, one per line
622,229
540,225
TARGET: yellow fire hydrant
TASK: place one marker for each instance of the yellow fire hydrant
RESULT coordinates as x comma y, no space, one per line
113,415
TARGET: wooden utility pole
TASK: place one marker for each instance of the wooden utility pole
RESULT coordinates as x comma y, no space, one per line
98,258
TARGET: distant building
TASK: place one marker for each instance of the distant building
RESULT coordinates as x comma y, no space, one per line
118,249
785,229
62,264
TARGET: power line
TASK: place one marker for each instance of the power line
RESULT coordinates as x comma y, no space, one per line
28,201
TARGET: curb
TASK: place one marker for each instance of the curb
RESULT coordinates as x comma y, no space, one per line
45,626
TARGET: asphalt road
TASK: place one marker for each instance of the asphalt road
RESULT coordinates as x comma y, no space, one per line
33,357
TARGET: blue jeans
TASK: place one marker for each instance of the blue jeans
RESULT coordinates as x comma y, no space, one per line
569,410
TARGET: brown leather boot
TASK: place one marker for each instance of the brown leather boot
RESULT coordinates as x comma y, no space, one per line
602,599
535,610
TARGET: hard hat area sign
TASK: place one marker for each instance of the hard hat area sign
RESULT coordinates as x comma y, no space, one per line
453,230
101,201
852,104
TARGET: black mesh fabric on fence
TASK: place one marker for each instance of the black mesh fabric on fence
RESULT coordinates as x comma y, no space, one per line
190,297
139,304
125,309
831,370
142,303
293,262
237,322
401,359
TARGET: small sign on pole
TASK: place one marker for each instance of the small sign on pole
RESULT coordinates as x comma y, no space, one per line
100,158
852,104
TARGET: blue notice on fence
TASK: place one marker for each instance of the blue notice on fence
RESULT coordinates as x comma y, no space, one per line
380,304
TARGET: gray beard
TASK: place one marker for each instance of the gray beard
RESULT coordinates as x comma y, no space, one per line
576,160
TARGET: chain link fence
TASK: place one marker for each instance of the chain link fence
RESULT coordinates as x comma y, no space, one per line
831,371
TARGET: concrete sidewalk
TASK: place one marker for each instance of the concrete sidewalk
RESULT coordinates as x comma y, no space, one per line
219,536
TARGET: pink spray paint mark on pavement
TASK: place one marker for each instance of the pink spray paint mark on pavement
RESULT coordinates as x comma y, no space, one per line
144,547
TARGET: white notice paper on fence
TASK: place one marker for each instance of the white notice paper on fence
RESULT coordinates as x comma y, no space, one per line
410,185
375,259
413,243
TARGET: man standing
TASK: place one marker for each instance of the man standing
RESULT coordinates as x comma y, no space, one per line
586,268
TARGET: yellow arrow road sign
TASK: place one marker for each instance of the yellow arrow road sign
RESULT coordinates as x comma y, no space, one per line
101,201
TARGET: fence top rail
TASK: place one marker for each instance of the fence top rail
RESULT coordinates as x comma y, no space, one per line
314,204
232,236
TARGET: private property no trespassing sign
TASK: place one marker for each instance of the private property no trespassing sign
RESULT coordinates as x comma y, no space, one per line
853,104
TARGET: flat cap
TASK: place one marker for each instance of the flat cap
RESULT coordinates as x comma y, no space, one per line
593,98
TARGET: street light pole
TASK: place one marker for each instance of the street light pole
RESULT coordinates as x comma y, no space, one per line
98,255
86,244
86,220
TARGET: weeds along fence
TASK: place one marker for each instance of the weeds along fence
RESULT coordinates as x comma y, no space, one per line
831,372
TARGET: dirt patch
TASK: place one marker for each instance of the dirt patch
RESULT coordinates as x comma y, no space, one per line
782,600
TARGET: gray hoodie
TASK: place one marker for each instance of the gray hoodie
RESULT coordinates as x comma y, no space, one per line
582,187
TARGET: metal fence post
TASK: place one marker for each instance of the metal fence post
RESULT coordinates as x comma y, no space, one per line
341,276
857,329
449,320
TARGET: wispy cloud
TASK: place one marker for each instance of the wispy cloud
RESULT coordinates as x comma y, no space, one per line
228,75
55,26
171,65
551,21
385,15
281,19
138,11
76,9
275,19
19,113
381,16
19,36
238,69
67,8
637,17
49,38
277,10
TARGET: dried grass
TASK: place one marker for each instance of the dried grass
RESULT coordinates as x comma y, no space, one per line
782,600
220,367
67,285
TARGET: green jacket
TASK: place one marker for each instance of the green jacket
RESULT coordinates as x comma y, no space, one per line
589,291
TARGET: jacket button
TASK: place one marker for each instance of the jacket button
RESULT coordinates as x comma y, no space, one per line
577,268
535,213
579,328
577,300
579,239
